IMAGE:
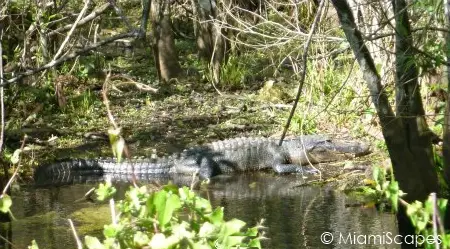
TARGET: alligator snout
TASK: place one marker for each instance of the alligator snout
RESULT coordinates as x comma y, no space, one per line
352,147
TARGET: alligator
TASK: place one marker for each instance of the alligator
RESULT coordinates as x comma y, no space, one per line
220,157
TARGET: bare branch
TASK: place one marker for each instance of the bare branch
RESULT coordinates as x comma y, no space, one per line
66,40
2,103
83,21
69,57
304,68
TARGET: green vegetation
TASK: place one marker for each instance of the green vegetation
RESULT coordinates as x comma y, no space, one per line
427,217
236,74
171,217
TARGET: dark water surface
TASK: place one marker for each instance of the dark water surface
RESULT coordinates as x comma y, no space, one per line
295,217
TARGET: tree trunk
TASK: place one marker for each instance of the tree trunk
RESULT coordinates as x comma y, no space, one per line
410,110
406,134
211,44
446,128
145,15
163,44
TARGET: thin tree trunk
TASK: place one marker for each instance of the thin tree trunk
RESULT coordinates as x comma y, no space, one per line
211,44
163,44
145,15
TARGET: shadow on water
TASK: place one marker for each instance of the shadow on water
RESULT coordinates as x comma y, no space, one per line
295,216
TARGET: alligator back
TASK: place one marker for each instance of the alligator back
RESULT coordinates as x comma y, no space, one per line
232,155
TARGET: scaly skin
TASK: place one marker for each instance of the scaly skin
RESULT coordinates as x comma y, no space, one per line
221,157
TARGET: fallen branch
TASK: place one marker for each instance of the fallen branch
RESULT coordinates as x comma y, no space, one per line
138,85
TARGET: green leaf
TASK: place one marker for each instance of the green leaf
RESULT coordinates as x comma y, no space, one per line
5,203
15,157
105,191
158,241
442,206
393,194
140,239
207,229
252,232
231,227
93,243
231,241
216,217
376,174
254,243
165,204
173,203
203,205
117,143
110,231
201,245
34,245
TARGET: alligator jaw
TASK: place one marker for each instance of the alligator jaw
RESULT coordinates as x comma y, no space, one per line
319,149
354,148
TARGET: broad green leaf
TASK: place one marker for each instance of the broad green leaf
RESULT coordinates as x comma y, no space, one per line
165,204
173,203
5,203
231,227
93,243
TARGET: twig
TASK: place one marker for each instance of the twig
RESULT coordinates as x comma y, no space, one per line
83,21
68,57
2,101
75,235
304,65
138,85
66,40
11,179
113,122
113,211
435,220
7,241
122,16
106,101
194,181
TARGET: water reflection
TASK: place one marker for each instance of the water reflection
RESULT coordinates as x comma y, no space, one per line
295,216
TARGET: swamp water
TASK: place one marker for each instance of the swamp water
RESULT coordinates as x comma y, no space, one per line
295,216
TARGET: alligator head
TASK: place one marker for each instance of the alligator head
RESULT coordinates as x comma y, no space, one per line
318,149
